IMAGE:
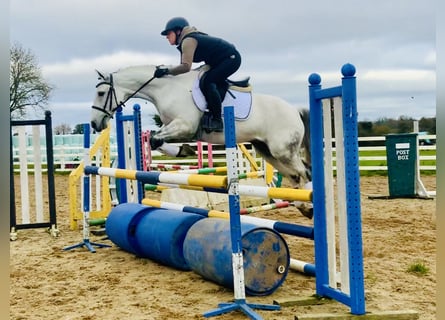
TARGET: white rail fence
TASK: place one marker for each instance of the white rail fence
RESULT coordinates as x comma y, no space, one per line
69,151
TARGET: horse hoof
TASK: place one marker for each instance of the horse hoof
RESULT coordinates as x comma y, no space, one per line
155,143
185,151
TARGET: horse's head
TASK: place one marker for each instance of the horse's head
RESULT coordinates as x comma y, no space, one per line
107,100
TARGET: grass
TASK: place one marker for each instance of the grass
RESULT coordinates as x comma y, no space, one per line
382,153
418,268
367,153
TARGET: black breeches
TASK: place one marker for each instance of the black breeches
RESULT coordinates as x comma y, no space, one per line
213,83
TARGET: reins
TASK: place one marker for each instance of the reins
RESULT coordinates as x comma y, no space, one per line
112,94
140,88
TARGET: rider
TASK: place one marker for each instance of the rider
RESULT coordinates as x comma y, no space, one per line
196,46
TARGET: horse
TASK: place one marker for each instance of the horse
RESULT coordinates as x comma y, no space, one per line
278,131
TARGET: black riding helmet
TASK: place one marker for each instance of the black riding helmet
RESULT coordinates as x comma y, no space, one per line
176,23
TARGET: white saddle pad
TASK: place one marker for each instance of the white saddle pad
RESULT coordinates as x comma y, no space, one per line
241,101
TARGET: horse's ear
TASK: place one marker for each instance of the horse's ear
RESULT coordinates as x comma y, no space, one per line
101,76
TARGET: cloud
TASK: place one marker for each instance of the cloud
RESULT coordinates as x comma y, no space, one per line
391,44
406,75
108,63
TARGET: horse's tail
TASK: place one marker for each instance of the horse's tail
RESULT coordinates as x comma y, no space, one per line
304,114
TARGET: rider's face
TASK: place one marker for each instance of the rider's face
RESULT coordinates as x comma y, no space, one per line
171,37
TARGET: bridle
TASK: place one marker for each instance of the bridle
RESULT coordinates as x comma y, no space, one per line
111,97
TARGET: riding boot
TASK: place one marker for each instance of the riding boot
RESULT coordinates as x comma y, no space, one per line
216,123
206,121
209,123
214,105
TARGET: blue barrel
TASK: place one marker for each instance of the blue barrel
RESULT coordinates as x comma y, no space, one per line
208,252
121,224
153,233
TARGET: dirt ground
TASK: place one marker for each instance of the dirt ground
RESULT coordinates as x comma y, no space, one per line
49,283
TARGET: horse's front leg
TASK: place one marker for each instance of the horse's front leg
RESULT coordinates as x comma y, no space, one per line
178,130
171,150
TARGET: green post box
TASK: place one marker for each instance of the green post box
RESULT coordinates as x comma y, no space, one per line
401,157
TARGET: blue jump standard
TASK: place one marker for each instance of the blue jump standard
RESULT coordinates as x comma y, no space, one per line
89,245
242,305
235,224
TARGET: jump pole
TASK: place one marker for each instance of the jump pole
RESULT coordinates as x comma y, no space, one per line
199,180
235,230
86,199
282,227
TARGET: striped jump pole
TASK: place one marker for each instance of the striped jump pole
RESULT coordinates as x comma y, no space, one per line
161,166
198,180
303,267
287,194
265,207
164,186
282,227
153,177
217,170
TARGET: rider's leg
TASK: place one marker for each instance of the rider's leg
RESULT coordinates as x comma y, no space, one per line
213,81
214,104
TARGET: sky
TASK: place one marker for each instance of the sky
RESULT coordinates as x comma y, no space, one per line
390,42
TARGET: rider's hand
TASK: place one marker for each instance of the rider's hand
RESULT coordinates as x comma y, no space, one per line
160,72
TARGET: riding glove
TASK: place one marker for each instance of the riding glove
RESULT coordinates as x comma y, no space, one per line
160,72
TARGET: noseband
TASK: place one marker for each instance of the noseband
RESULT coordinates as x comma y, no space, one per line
111,95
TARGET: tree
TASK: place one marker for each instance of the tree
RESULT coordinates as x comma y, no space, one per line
27,88
78,129
405,124
62,129
428,125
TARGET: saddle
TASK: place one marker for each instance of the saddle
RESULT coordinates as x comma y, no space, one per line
242,85
240,97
